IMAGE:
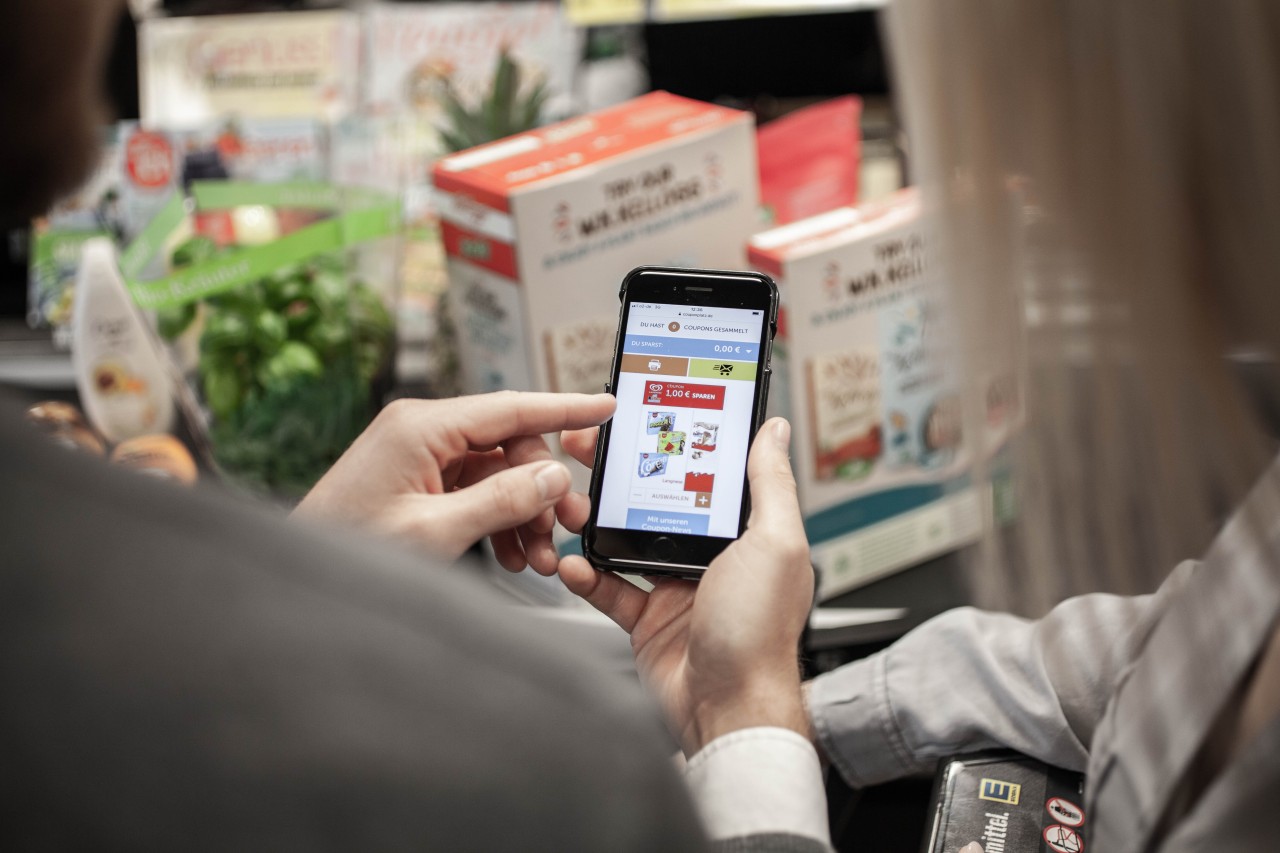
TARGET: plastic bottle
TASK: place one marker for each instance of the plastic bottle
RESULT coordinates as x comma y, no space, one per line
120,371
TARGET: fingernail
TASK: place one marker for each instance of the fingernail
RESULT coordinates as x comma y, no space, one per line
552,480
782,433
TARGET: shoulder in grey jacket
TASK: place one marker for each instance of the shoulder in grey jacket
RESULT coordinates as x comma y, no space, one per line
181,671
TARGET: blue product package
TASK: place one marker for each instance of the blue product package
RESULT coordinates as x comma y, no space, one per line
921,414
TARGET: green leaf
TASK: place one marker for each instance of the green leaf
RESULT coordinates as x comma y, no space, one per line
223,392
370,358
283,440
299,315
370,317
466,125
330,292
246,299
171,322
283,291
269,330
293,362
225,331
453,141
498,107
193,251
531,113
328,337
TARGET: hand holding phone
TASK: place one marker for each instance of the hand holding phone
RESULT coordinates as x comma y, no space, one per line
445,473
719,654
691,376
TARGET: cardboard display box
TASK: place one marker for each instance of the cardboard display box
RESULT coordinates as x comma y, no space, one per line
859,368
540,229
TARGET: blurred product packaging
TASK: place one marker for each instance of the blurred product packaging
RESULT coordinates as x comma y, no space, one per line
444,77
861,369
58,237
423,57
401,84
541,228
135,178
809,160
253,269
193,70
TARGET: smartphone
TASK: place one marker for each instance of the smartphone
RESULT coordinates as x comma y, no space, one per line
691,375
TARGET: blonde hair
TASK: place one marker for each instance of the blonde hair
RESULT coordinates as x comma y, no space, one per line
1107,179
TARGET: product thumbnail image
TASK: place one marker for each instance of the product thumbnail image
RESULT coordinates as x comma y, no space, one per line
671,443
660,422
704,436
652,464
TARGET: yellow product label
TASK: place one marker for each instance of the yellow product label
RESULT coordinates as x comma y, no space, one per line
999,792
593,12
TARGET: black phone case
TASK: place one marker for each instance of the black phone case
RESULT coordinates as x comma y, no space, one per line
603,563
1008,802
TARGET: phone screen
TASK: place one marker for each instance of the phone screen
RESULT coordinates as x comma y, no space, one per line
677,454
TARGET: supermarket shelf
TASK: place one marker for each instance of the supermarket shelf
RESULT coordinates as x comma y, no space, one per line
708,10
29,360
841,627
597,12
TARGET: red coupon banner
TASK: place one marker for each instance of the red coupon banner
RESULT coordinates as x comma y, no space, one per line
684,395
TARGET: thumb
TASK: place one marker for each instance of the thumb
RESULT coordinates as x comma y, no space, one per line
504,500
773,486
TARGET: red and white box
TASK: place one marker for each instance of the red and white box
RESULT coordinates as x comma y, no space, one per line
541,228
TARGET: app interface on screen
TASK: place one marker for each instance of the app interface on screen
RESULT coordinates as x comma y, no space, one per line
678,448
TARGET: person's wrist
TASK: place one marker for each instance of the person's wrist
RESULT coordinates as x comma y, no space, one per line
806,696
776,703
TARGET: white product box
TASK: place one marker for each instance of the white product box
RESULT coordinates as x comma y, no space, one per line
859,368
541,228
297,64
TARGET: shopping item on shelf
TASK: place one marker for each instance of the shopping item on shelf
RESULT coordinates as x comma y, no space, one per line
58,237
541,228
140,171
159,456
424,57
122,373
293,344
137,174
860,369
66,426
443,77
809,160
196,70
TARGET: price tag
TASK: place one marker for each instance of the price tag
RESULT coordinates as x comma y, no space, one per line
586,13
709,9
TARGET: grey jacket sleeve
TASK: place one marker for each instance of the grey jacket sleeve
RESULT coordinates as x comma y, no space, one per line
970,680
181,671
770,843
